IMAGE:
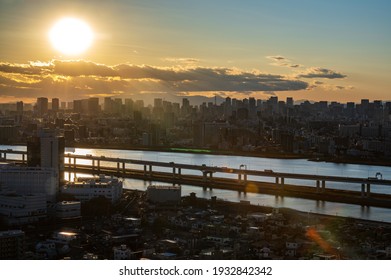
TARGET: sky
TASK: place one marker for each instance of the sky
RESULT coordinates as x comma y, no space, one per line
310,50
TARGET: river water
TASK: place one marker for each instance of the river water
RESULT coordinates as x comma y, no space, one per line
300,166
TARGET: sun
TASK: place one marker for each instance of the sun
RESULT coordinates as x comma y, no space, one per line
71,36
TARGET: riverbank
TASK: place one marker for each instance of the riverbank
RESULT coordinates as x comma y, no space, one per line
293,213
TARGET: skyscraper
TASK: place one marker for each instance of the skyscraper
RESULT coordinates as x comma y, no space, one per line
42,105
47,150
289,102
55,104
19,107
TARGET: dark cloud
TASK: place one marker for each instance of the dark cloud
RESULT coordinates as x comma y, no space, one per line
317,72
276,57
343,87
81,68
84,77
27,69
282,61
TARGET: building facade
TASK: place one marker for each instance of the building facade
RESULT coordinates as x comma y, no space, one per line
22,209
29,180
164,194
85,189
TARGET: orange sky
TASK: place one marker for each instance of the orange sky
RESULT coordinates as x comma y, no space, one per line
305,50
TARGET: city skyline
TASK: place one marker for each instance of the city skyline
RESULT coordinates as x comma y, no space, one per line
329,51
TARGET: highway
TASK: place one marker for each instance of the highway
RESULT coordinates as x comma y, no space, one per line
211,177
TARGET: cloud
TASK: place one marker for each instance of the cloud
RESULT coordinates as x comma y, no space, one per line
276,57
182,60
327,87
81,68
317,72
71,79
30,68
336,87
281,61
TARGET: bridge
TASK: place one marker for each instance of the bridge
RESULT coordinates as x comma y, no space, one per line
240,179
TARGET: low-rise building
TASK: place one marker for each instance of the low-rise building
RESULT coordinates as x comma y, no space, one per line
85,189
22,209
30,180
164,194
68,209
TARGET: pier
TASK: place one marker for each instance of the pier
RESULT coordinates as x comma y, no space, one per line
241,179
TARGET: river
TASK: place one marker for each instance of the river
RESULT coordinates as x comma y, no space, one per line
301,166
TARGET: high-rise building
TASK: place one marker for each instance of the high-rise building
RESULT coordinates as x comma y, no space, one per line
77,106
185,106
19,107
93,106
108,104
19,112
139,104
289,102
63,105
158,102
364,106
42,105
47,150
129,105
55,104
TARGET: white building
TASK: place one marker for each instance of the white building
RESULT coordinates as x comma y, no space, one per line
47,151
68,209
22,209
29,180
86,189
164,194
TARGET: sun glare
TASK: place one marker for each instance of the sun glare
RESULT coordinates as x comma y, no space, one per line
71,36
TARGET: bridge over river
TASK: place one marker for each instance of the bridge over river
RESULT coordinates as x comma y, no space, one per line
237,179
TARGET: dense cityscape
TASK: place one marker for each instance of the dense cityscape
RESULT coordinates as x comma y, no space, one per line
43,216
318,130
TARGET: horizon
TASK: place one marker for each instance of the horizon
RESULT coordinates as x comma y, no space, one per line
323,51
195,100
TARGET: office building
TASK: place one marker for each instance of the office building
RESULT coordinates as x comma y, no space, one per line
42,105
47,151
55,104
